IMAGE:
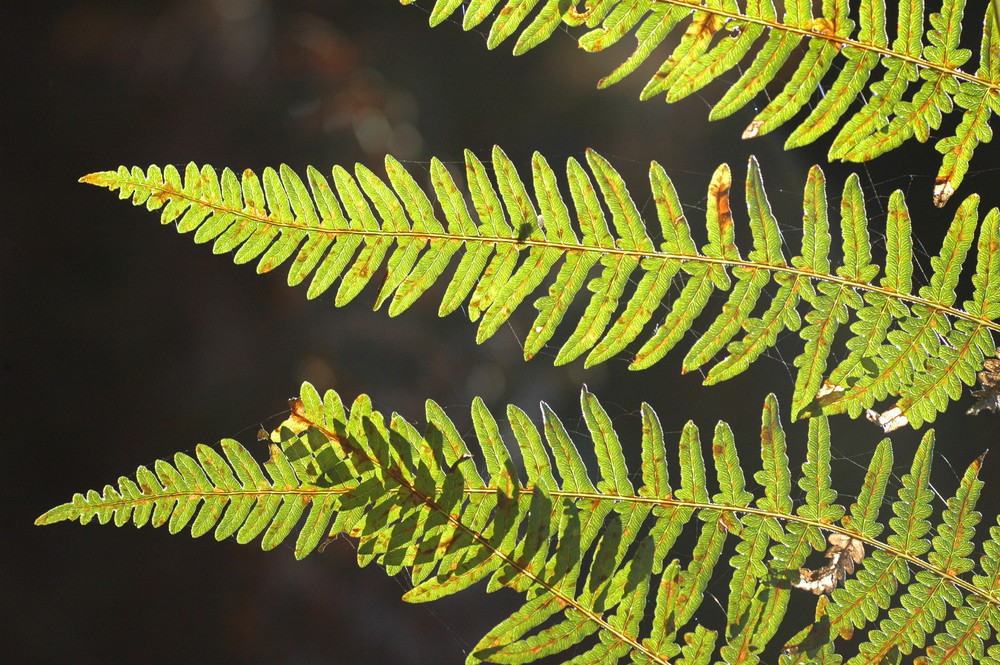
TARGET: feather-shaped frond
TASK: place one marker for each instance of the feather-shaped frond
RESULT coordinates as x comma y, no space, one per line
595,558
922,76
915,345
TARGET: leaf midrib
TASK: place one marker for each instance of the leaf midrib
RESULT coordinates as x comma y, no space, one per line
527,490
843,41
566,247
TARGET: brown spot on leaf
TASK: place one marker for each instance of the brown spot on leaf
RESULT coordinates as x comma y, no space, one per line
704,25
823,26
578,15
160,197
727,522
297,422
979,460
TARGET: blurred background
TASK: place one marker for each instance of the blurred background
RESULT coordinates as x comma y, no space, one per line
122,342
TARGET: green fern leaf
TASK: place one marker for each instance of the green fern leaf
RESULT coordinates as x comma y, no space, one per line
864,513
934,381
924,603
698,647
875,586
590,560
923,80
916,347
962,639
763,332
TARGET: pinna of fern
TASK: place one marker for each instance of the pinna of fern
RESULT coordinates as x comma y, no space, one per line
594,560
922,78
913,345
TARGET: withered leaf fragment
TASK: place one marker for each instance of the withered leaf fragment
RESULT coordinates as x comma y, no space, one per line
844,553
889,420
989,394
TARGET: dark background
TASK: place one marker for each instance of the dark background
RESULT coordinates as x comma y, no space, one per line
123,343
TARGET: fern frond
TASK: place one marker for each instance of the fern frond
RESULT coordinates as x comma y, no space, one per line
593,558
922,79
917,347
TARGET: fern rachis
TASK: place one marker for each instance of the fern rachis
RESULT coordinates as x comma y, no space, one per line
915,346
418,502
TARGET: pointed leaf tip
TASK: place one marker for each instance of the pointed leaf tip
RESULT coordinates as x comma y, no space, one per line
979,460
100,178
53,515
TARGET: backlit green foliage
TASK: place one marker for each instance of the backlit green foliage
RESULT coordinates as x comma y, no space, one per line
596,561
619,569
924,74
642,282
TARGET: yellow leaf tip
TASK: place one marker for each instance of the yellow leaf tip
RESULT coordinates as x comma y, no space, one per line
99,178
